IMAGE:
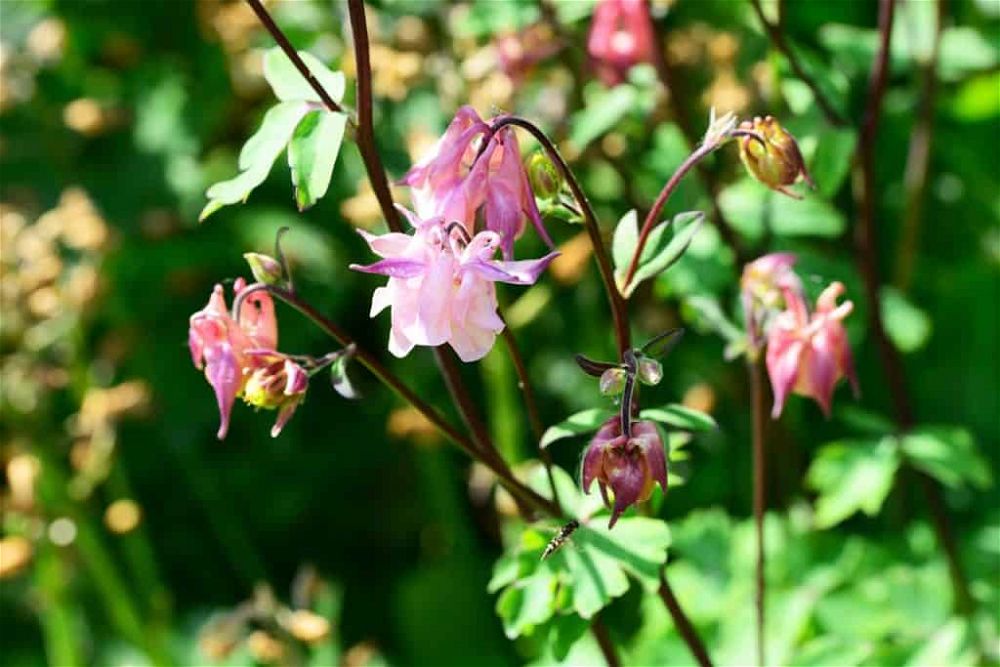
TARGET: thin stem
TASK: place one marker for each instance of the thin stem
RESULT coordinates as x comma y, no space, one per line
388,378
293,55
867,242
366,128
682,623
757,391
918,160
469,413
666,76
528,393
777,35
618,314
600,632
654,213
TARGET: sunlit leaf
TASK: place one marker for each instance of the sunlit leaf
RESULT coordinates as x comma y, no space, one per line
680,417
852,476
623,242
664,249
948,454
312,153
907,326
288,83
604,109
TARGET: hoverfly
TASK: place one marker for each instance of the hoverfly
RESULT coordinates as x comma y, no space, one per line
560,539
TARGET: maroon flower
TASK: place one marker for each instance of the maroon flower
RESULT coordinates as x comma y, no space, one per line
630,464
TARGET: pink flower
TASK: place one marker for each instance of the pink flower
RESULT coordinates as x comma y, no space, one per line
621,35
219,344
808,355
761,291
274,381
631,466
518,52
440,287
460,175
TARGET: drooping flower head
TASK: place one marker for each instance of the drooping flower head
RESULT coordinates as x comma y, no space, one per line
274,382
621,35
219,344
461,174
775,159
630,465
762,290
809,354
441,285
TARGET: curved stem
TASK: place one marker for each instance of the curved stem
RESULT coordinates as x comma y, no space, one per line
654,213
622,333
293,55
757,391
867,242
388,378
682,623
777,36
600,632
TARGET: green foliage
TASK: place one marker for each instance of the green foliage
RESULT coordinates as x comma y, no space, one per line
852,476
680,417
948,454
585,421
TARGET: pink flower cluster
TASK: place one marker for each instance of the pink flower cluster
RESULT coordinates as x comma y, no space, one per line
441,278
621,35
239,357
807,353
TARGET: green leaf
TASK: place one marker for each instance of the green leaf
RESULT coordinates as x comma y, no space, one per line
830,162
288,83
624,241
680,417
907,326
604,109
684,227
312,153
527,603
566,630
257,156
752,208
948,454
852,476
581,422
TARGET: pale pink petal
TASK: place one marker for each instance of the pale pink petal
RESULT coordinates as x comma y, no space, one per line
395,268
783,354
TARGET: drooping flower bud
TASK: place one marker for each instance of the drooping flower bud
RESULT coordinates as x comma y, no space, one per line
274,381
631,466
808,355
612,381
265,269
772,156
650,371
545,178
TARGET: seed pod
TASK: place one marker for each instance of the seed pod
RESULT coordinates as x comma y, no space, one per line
545,179
772,156
650,371
613,381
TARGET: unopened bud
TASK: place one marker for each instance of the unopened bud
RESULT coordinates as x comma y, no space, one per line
612,381
650,371
772,156
265,269
545,179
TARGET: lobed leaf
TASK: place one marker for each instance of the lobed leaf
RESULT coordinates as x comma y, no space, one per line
288,83
681,417
663,252
312,153
852,476
581,422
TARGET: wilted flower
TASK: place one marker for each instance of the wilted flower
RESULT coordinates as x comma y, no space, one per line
219,344
761,291
775,159
461,174
808,355
631,466
274,381
441,287
621,35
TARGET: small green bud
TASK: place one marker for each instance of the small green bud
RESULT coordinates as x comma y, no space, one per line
265,269
545,179
650,371
612,381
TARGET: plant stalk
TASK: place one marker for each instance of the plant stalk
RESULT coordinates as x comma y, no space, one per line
682,623
758,397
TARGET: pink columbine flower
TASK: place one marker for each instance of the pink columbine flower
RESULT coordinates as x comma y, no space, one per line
762,288
441,285
631,466
621,35
239,358
461,174
808,355
275,382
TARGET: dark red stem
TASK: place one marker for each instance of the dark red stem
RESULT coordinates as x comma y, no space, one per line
758,397
682,623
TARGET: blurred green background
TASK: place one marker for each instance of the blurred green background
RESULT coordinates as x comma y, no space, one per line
131,535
